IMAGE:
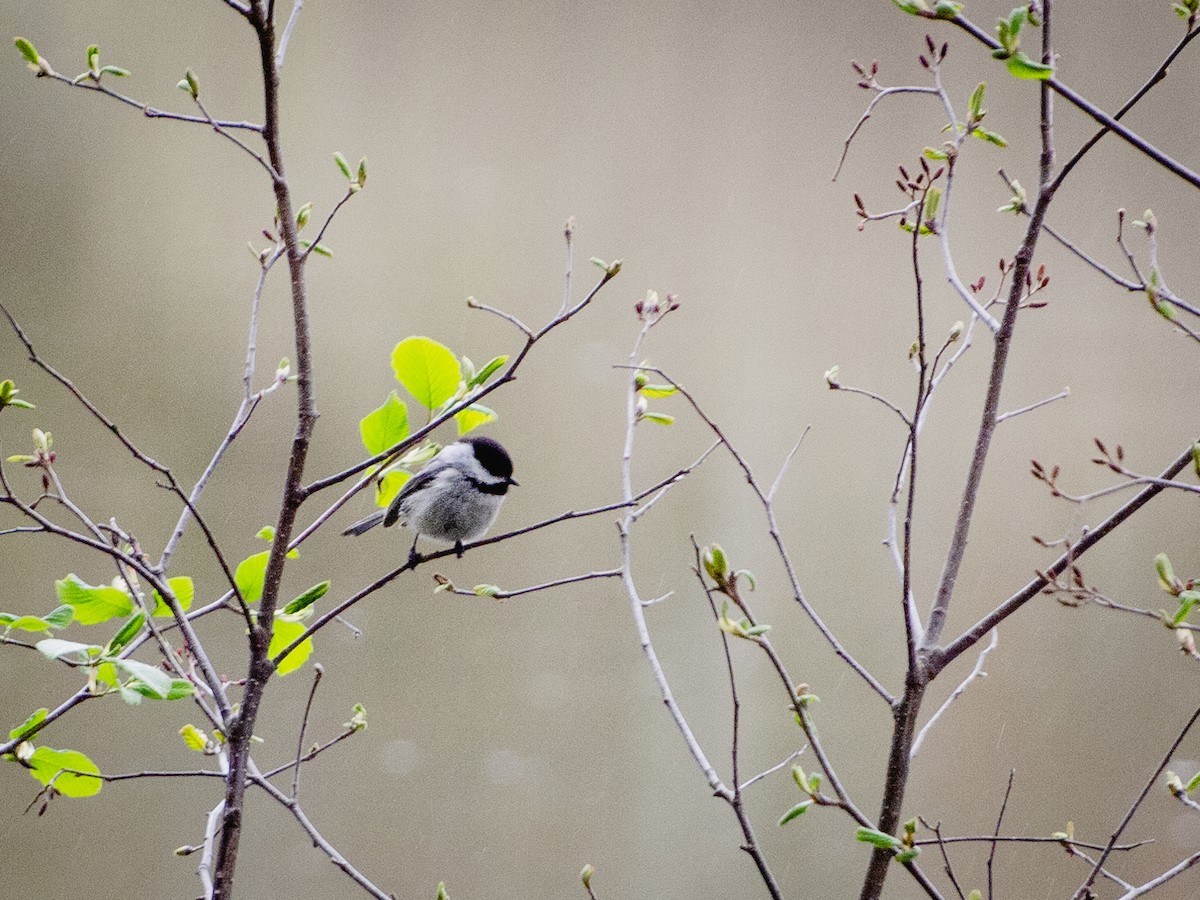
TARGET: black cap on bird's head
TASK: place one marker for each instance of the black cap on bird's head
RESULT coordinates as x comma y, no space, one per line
493,457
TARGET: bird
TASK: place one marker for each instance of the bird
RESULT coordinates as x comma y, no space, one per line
454,498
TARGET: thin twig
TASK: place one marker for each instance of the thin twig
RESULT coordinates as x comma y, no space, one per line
976,672
938,660
286,38
1061,395
1150,782
1162,879
787,461
558,582
1012,773
946,866
319,841
787,761
318,671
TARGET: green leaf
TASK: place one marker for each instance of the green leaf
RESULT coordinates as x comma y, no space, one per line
250,574
93,605
308,598
154,678
947,9
287,631
184,591
1025,68
46,765
485,590
386,426
23,623
912,7
319,249
658,391
125,635
427,369
60,618
487,371
1191,785
116,71
342,165
472,417
877,838
56,648
659,418
795,812
27,50
907,856
361,178
976,101
35,719
990,137
180,688
195,738
389,486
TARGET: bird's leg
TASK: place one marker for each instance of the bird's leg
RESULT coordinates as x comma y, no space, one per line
458,549
413,556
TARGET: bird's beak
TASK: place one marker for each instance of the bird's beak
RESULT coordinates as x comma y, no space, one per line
513,482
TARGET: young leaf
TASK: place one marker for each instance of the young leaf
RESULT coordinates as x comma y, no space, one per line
1025,68
195,738
342,165
319,249
287,631
35,719
249,576
486,372
152,677
93,605
23,623
46,765
184,591
472,417
27,50
798,810
877,838
386,426
72,651
308,598
658,391
428,370
125,635
389,486
180,688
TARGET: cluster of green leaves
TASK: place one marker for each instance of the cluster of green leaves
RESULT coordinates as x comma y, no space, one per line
1008,33
940,9
65,772
1185,592
436,379
809,785
8,396
289,622
647,392
904,849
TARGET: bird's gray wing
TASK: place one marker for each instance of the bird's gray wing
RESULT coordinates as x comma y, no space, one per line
417,483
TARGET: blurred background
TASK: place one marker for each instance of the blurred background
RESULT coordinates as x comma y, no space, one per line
511,743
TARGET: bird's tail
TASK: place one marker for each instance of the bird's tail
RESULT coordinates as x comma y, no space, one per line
365,524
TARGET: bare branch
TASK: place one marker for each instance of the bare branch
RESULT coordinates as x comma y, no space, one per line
1061,395
1120,829
976,672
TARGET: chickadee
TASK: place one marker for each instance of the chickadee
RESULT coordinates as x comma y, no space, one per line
455,498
